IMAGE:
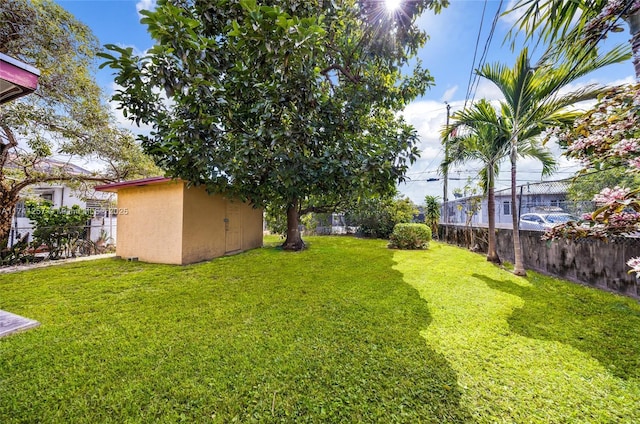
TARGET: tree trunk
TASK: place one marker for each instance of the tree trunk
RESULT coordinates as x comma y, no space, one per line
634,28
294,239
518,266
7,209
492,254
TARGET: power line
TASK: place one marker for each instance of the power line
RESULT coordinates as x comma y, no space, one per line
469,84
483,58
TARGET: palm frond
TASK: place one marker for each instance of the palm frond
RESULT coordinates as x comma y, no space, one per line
551,20
533,149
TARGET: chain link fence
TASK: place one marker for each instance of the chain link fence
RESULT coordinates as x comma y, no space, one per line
551,197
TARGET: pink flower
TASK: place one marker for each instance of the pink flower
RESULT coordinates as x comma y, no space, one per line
634,164
609,195
634,263
624,147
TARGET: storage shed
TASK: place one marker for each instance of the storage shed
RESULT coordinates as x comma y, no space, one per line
161,220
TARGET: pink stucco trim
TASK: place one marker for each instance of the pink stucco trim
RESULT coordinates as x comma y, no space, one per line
16,78
20,75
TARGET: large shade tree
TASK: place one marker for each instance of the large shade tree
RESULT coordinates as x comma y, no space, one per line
478,133
65,115
290,104
535,99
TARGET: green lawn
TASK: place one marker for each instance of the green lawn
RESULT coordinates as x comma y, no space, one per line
347,331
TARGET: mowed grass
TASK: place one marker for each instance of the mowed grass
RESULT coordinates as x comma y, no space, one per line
331,334
347,331
529,350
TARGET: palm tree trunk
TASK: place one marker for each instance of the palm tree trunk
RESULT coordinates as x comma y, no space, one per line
294,239
634,27
518,266
492,254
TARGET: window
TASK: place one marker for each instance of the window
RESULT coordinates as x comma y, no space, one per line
100,208
506,208
47,196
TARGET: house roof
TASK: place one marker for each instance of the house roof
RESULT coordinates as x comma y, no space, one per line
134,183
48,166
16,78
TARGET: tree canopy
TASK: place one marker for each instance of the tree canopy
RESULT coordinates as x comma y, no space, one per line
293,104
66,114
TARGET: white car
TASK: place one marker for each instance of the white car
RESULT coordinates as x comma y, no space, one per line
543,221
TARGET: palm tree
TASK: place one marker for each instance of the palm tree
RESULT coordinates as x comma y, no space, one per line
432,213
577,24
534,100
481,135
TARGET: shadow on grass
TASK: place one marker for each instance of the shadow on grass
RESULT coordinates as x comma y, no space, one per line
331,334
600,324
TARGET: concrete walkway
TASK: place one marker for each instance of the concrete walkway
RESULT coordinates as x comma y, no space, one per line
12,323
43,264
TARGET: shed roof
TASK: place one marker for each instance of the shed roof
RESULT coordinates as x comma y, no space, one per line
133,183
16,78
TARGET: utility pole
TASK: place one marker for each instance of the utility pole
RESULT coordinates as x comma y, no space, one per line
446,159
445,170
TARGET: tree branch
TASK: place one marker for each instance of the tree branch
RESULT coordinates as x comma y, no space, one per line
354,79
25,183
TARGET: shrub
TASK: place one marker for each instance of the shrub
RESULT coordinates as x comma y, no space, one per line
61,230
410,236
377,216
17,253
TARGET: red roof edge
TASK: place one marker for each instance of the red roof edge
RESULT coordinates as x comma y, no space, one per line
114,187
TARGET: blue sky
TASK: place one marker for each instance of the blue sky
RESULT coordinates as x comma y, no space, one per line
448,55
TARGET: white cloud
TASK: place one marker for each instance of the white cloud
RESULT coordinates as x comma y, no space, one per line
145,5
512,17
448,95
428,117
487,90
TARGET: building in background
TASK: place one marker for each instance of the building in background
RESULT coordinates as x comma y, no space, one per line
102,226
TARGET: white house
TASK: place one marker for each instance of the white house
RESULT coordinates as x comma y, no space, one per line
532,197
103,224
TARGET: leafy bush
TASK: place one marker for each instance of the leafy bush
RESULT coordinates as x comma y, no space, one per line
17,253
275,218
376,217
410,236
61,230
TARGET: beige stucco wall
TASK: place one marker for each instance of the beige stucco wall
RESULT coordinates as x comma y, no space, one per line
150,223
175,224
252,225
207,221
203,225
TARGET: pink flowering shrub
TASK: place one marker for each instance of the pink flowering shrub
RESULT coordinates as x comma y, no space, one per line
598,26
607,136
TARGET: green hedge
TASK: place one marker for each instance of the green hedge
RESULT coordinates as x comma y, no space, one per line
410,236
